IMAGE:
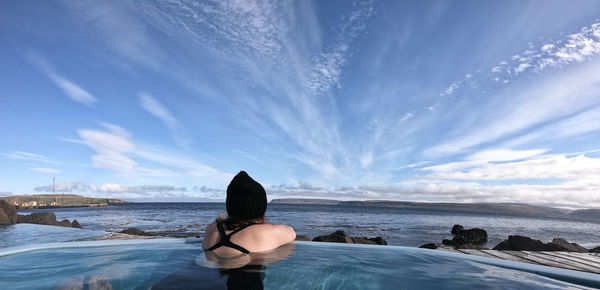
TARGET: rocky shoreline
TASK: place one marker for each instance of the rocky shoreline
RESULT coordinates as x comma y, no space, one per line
475,238
8,215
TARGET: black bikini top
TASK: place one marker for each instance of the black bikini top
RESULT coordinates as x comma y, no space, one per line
224,239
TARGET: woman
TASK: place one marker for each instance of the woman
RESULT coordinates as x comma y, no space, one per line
245,229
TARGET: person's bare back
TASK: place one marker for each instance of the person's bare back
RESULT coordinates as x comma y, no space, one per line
254,238
244,230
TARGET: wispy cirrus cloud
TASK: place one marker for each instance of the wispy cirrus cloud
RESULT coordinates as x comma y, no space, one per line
44,170
116,150
28,156
69,88
176,129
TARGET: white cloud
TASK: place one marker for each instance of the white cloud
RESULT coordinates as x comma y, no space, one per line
21,155
560,167
157,109
553,98
585,122
407,116
69,88
521,68
116,150
118,25
497,155
45,170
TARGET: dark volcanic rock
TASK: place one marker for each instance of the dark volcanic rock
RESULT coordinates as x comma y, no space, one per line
568,247
429,246
342,237
302,238
471,236
43,218
24,219
46,218
520,243
370,241
449,242
337,237
76,224
8,213
456,229
135,231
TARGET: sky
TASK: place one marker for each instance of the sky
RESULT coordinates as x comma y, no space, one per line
433,101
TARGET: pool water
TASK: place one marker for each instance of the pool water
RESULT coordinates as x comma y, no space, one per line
181,264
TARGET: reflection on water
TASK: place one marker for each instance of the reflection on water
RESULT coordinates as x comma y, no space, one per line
245,271
172,264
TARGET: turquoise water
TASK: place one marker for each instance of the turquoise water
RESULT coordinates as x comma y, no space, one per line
175,264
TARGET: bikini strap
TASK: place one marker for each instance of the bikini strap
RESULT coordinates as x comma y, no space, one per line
224,239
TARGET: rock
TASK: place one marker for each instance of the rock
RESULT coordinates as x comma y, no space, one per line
8,213
471,236
135,231
568,247
337,237
76,224
429,246
456,229
342,237
24,219
449,242
45,218
520,243
369,241
595,250
302,238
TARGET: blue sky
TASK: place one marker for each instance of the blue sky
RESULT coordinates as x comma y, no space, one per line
448,101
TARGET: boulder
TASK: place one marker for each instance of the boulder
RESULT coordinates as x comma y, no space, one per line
24,219
302,238
568,247
429,246
76,224
520,243
471,236
136,232
448,242
370,241
342,237
8,213
337,237
46,218
456,229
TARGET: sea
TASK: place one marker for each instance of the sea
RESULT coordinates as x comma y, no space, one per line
401,227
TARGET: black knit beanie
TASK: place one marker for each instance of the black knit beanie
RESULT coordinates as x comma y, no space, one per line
246,198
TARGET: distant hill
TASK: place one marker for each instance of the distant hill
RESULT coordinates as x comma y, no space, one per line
305,201
63,199
513,209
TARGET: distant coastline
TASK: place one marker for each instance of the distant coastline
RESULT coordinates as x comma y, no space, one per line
512,209
42,201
